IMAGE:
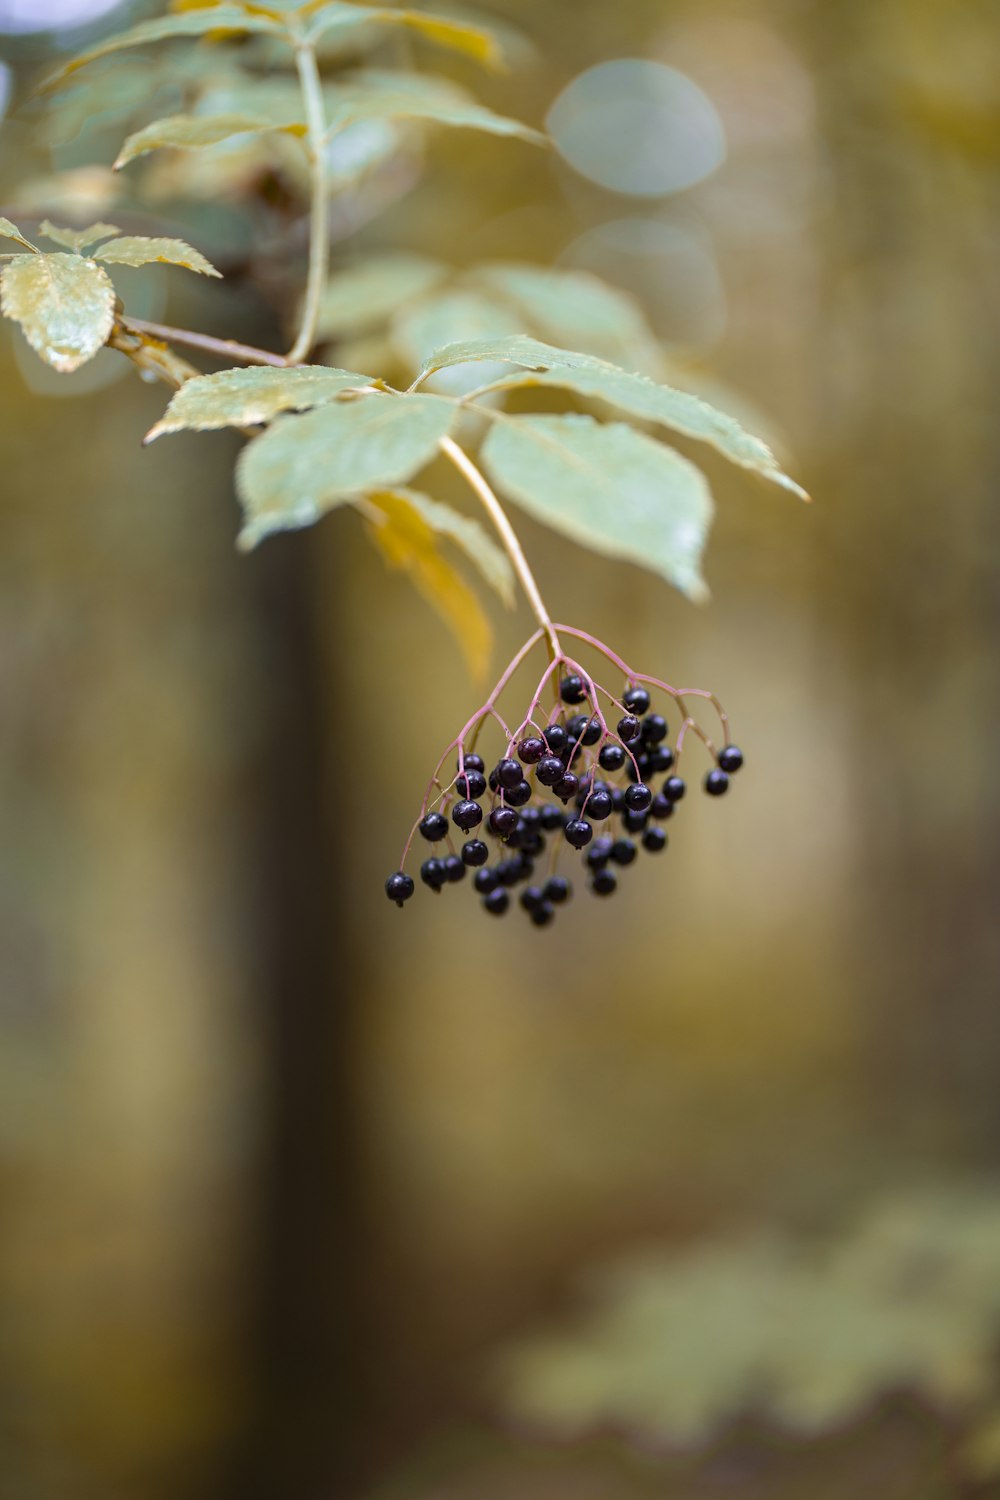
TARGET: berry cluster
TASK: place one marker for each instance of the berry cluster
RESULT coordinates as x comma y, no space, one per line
580,779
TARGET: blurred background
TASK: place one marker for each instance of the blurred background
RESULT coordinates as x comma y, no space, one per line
696,1195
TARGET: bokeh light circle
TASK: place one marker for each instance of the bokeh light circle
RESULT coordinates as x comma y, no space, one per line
638,127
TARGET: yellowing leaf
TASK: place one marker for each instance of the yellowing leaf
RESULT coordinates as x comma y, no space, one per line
9,231
64,304
244,398
192,132
367,293
221,18
609,488
135,250
478,546
77,239
304,466
458,36
408,542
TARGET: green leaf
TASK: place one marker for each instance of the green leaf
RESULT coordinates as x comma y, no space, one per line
516,350
136,250
192,132
9,231
304,466
244,398
474,540
64,304
650,402
457,36
609,488
574,309
417,96
364,295
190,23
77,239
408,540
451,314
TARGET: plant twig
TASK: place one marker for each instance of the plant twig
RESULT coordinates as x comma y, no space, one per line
224,348
319,237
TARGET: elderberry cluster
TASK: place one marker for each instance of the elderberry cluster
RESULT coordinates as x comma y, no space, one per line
573,786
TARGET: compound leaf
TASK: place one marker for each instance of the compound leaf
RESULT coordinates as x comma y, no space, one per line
136,250
77,239
575,309
475,541
64,304
408,540
366,294
609,488
305,465
437,320
244,398
220,18
192,132
457,36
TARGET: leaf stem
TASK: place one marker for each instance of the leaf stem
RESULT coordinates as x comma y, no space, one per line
319,238
508,537
225,348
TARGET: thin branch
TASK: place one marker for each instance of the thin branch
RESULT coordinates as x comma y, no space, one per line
508,536
319,235
224,348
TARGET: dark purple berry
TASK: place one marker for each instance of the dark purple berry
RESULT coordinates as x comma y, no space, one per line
485,881
661,759
654,839
434,827
496,902
636,700
549,770
604,883
730,758
432,873
531,750
654,729
466,815
661,807
578,833
557,890
493,781
583,729
471,784
541,916
629,729
503,821
532,897
475,853
573,689
510,871
518,796
624,852
399,887
567,787
474,763
634,822
674,788
638,798
716,783
599,805
600,851
552,817
556,737
612,757
617,799
509,773
454,869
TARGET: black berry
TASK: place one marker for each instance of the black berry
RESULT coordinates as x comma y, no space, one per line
629,729
475,853
578,833
604,882
556,738
432,873
454,869
600,852
496,902
661,759
471,784
509,773
661,806
573,689
532,897
503,821
518,796
612,757
552,818
636,700
434,827
557,890
399,887
473,763
624,852
654,729
549,770
567,786
466,815
716,782
586,731
730,758
599,805
541,916
654,839
638,798
634,822
531,750
485,881
674,788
